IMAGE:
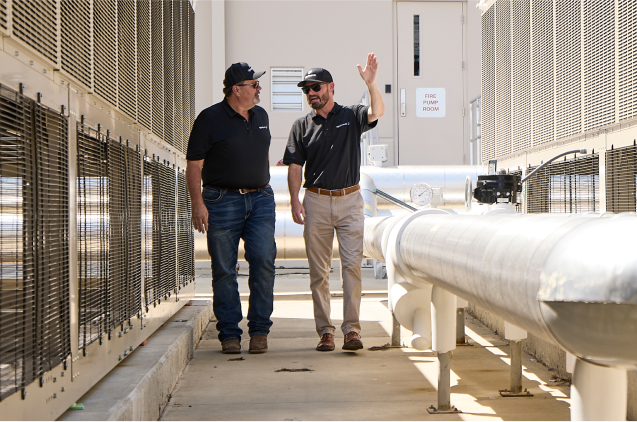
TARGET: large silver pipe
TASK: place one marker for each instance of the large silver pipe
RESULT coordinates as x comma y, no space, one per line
570,280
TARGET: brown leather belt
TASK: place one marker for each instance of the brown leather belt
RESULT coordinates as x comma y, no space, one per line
241,191
334,192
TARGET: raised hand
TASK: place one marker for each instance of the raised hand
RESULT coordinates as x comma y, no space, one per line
371,69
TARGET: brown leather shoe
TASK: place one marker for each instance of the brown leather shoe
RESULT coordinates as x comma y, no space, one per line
258,344
327,343
352,341
231,346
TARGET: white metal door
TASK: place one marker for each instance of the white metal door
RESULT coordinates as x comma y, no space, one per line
430,83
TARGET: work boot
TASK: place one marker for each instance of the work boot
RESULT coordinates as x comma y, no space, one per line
258,344
231,346
327,343
352,341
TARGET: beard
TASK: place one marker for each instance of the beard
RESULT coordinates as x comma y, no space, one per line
323,99
256,100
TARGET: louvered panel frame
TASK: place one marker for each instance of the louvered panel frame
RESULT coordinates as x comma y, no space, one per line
185,77
542,111
144,101
503,78
126,58
627,83
105,49
488,84
134,230
157,67
167,201
185,235
621,179
178,52
599,64
3,16
169,74
521,75
191,46
92,235
568,72
35,23
76,39
18,243
151,224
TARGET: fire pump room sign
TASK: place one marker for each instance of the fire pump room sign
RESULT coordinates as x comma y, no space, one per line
430,102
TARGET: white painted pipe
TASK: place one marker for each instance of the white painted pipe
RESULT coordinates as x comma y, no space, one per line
443,320
598,393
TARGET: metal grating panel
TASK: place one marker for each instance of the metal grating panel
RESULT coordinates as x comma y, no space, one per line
52,204
17,240
167,250
185,234
76,39
105,49
568,74
185,78
503,78
143,63
191,46
134,230
599,63
126,58
543,72
521,75
157,67
627,20
621,179
3,15
92,234
488,85
178,50
169,75
570,186
151,222
35,23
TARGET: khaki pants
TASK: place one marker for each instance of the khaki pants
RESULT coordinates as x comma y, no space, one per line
324,215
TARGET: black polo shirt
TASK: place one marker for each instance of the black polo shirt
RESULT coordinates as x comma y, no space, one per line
235,151
330,148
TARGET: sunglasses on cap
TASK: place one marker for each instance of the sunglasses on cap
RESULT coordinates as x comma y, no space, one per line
253,85
315,88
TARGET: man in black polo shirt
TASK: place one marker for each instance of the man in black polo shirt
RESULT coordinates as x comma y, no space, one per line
228,151
327,142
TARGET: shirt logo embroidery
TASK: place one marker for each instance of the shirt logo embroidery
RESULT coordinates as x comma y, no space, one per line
263,127
344,124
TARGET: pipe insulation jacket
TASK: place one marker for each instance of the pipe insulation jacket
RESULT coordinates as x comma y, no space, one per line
568,279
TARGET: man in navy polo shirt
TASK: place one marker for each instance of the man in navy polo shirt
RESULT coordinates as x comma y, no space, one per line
327,142
228,151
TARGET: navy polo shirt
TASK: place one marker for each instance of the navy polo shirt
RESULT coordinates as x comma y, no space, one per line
235,151
330,148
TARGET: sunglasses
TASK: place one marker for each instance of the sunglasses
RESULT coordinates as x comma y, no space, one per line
254,85
316,88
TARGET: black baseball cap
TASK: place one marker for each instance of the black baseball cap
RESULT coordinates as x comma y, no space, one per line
316,74
240,72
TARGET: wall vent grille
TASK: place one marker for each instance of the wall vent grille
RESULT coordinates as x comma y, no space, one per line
168,244
105,49
35,23
185,235
191,79
627,59
570,186
568,72
151,224
621,179
521,75
503,78
126,54
599,63
76,39
169,75
177,50
3,16
157,67
144,102
488,84
543,72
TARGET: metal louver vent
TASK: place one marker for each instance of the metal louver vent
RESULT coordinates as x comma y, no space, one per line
167,250
178,52
543,72
169,74
105,49
627,25
568,74
570,186
35,23
488,84
621,179
3,15
157,67
76,39
143,63
126,58
503,78
185,235
134,233
151,223
599,63
34,317
191,47
521,75
185,77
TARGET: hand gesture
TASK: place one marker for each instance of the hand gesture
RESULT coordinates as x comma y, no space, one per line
371,69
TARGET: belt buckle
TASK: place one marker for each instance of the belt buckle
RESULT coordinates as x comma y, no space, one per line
243,191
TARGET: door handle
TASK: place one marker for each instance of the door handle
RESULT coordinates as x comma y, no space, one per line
402,102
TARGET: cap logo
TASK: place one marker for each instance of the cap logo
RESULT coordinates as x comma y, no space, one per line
311,75
250,69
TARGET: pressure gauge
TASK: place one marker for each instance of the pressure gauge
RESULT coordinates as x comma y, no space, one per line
421,194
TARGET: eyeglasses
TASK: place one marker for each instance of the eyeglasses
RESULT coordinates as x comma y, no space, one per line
254,85
315,88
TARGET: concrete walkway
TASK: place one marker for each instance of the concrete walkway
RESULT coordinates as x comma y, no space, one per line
294,382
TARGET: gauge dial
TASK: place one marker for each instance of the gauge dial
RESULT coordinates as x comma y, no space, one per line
421,194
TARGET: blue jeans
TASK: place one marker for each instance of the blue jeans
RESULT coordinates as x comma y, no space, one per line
233,216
